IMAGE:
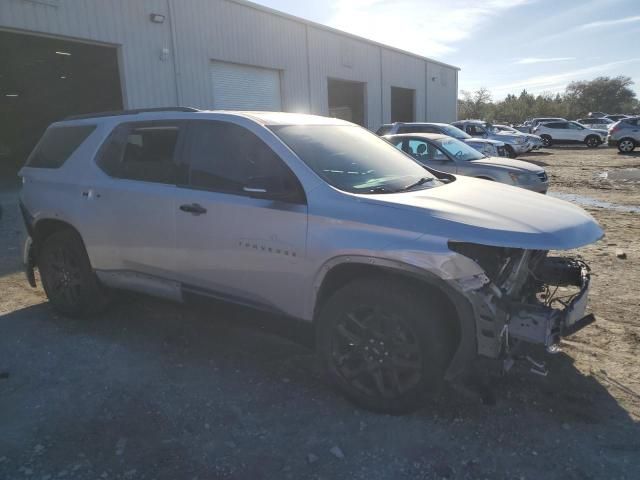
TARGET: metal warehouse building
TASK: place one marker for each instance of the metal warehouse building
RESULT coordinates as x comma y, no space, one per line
62,57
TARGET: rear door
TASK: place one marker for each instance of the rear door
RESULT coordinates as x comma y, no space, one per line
131,208
236,242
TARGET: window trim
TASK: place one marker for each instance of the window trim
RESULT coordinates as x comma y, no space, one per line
298,197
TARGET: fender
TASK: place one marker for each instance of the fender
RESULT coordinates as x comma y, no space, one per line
466,350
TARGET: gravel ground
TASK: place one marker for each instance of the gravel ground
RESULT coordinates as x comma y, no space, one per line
156,390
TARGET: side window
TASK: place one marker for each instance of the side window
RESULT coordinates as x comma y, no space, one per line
57,145
142,151
417,149
225,157
425,152
574,126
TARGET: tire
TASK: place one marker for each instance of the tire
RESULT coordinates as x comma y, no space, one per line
547,141
592,141
383,344
626,145
511,153
69,281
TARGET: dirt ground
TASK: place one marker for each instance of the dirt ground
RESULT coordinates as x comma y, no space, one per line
156,390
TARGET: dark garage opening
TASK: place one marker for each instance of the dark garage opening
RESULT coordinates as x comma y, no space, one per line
43,80
346,101
402,105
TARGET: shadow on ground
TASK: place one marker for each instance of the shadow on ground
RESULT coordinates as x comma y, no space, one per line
156,390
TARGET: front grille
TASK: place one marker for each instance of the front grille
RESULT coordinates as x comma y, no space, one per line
501,152
543,176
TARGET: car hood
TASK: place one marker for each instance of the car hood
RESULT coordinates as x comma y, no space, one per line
509,163
491,213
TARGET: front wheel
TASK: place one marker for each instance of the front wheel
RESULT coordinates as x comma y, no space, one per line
546,140
592,141
626,145
382,344
67,277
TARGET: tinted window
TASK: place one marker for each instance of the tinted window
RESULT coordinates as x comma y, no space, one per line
475,130
555,125
417,129
57,145
224,157
144,152
574,126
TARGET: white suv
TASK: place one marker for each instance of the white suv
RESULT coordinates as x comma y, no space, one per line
409,275
569,132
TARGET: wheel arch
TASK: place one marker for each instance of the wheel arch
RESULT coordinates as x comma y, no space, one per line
338,273
46,227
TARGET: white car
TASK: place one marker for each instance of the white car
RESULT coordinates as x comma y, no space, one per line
410,276
603,123
569,132
534,141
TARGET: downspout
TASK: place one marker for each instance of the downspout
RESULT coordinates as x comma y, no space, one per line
174,56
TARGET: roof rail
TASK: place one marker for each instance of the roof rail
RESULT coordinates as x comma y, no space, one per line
131,112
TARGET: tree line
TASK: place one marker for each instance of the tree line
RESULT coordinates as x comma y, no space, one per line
602,94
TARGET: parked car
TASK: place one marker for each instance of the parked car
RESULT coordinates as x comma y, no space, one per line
409,275
616,117
597,123
534,141
596,114
450,155
529,125
625,134
569,132
491,148
515,144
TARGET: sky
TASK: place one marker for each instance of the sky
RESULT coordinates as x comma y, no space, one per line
503,45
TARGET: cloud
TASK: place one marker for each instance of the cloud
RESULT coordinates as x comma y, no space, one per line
557,82
426,27
609,23
532,60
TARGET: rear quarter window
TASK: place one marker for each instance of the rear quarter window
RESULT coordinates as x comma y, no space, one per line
57,145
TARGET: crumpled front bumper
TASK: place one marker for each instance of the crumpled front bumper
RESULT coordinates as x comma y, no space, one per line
542,324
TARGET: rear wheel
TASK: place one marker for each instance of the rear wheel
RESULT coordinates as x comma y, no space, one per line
382,343
592,141
67,277
626,145
546,140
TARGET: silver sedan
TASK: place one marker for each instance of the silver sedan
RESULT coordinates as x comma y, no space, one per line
450,155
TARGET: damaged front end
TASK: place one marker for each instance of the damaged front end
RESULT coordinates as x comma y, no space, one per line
529,297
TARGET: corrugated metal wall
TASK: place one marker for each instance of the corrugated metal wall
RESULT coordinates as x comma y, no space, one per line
198,32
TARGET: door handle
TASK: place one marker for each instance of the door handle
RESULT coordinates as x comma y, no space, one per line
193,208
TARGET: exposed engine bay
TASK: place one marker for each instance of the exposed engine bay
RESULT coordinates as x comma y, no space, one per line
528,296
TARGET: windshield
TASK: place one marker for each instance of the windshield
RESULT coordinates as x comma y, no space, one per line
455,132
354,160
459,150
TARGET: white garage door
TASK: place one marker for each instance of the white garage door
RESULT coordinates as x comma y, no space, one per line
241,87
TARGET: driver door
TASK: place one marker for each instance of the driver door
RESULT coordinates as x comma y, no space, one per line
236,242
575,132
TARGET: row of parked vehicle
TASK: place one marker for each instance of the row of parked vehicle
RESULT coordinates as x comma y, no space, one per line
621,131
473,148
